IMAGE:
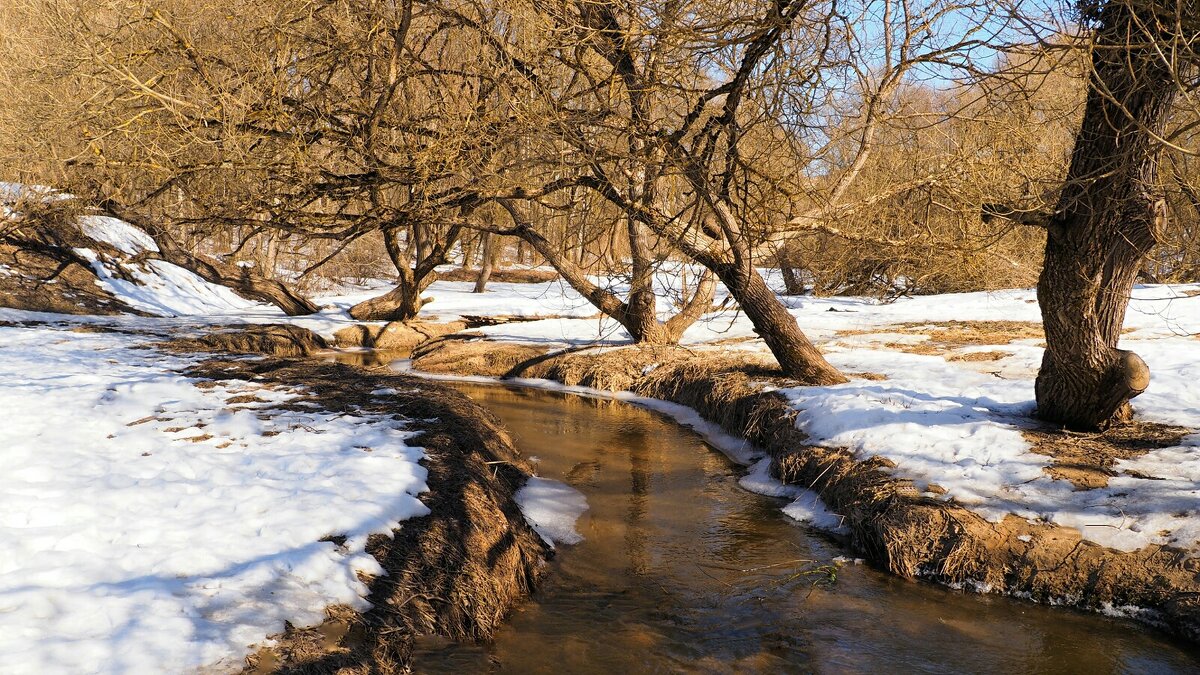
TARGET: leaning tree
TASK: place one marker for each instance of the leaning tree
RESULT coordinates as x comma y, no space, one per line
1111,212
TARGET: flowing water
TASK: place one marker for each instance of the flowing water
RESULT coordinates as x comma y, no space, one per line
681,570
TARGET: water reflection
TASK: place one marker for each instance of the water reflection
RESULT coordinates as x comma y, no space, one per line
683,571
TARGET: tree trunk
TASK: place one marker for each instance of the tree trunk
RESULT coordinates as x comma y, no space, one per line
1107,220
403,302
641,307
797,356
239,279
792,283
485,268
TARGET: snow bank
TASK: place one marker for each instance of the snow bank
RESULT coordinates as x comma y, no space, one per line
163,289
147,525
551,508
117,233
960,428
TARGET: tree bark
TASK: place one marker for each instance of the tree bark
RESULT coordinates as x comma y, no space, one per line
240,280
796,355
1107,220
403,302
485,267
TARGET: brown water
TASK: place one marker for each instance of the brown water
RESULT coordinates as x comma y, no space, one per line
681,570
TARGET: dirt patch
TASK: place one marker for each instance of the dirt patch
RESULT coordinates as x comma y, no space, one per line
40,270
271,339
514,275
1088,460
898,527
39,281
455,573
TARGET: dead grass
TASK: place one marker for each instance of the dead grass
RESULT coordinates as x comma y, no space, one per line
511,275
947,336
271,339
1088,460
978,356
456,572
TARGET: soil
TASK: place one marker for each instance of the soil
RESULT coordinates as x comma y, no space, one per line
272,339
893,524
39,282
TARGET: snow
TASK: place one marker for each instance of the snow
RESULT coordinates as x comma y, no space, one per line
163,289
806,505
149,525
956,424
551,509
117,233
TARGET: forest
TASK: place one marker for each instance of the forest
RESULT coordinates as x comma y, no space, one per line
928,258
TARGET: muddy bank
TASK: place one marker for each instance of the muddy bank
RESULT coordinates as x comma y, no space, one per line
454,573
891,522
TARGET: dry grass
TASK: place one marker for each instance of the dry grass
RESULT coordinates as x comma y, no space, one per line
1088,460
511,275
948,336
271,339
456,572
978,356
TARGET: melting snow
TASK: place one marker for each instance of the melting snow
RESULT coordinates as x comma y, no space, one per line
551,508
153,526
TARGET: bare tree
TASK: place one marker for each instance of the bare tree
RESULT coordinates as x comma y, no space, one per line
1112,210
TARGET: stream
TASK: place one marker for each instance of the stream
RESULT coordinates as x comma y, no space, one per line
682,570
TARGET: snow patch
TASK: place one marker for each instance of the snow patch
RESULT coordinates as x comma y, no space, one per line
148,525
117,233
551,508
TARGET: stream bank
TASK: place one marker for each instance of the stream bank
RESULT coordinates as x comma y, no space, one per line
683,570
896,527
456,572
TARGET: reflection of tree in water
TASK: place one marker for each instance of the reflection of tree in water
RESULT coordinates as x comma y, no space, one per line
639,490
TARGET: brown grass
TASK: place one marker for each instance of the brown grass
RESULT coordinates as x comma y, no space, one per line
978,356
456,572
511,275
948,336
1088,460
271,339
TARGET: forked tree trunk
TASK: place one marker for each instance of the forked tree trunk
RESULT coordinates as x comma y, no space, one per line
403,302
638,314
1107,220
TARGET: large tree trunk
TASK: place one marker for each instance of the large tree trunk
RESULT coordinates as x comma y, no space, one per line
1107,220
240,280
403,302
797,356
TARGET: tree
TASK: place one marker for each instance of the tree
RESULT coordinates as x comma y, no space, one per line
1112,210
